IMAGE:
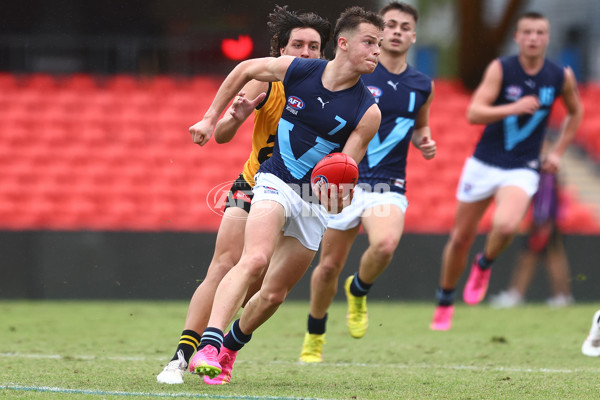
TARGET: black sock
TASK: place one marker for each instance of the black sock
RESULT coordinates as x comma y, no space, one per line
358,288
188,342
236,339
213,337
485,263
445,297
317,326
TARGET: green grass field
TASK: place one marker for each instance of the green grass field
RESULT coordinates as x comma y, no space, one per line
113,350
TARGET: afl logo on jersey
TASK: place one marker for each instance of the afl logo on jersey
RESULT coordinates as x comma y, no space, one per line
376,92
295,102
513,92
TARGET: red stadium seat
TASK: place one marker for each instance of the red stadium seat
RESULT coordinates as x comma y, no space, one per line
42,82
80,83
122,84
204,84
161,84
115,154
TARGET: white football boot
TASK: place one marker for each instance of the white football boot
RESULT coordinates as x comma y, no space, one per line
173,372
591,345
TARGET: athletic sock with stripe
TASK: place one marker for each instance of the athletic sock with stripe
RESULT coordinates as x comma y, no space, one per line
188,342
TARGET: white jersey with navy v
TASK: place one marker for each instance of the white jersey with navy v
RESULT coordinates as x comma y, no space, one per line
314,122
399,97
515,141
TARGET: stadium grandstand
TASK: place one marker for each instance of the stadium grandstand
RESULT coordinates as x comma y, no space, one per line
99,176
113,153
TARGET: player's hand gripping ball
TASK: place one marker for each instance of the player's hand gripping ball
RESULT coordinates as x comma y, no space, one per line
335,168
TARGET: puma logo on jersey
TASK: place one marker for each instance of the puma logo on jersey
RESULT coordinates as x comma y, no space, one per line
322,102
530,83
394,85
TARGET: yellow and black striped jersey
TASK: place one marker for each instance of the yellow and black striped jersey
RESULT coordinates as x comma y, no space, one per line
266,119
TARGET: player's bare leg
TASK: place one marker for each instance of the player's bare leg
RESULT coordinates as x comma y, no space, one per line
384,224
454,259
335,247
511,205
557,265
384,232
263,229
228,250
288,265
462,236
523,274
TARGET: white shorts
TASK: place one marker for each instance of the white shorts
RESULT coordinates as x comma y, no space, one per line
366,203
480,181
303,220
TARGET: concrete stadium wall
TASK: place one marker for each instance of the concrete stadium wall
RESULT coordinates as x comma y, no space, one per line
121,265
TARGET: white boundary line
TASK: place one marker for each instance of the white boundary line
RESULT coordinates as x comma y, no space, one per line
337,365
48,389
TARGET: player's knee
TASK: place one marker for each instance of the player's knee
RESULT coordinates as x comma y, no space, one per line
384,249
506,228
218,269
273,298
461,241
254,265
329,270
212,279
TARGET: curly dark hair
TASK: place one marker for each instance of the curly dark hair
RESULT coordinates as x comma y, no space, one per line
282,22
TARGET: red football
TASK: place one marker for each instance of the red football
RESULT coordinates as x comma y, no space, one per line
336,168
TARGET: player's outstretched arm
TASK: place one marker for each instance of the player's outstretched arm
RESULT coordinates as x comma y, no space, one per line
266,69
572,102
482,111
242,107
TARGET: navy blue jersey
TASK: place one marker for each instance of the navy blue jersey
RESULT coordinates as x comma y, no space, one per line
314,122
399,97
515,141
